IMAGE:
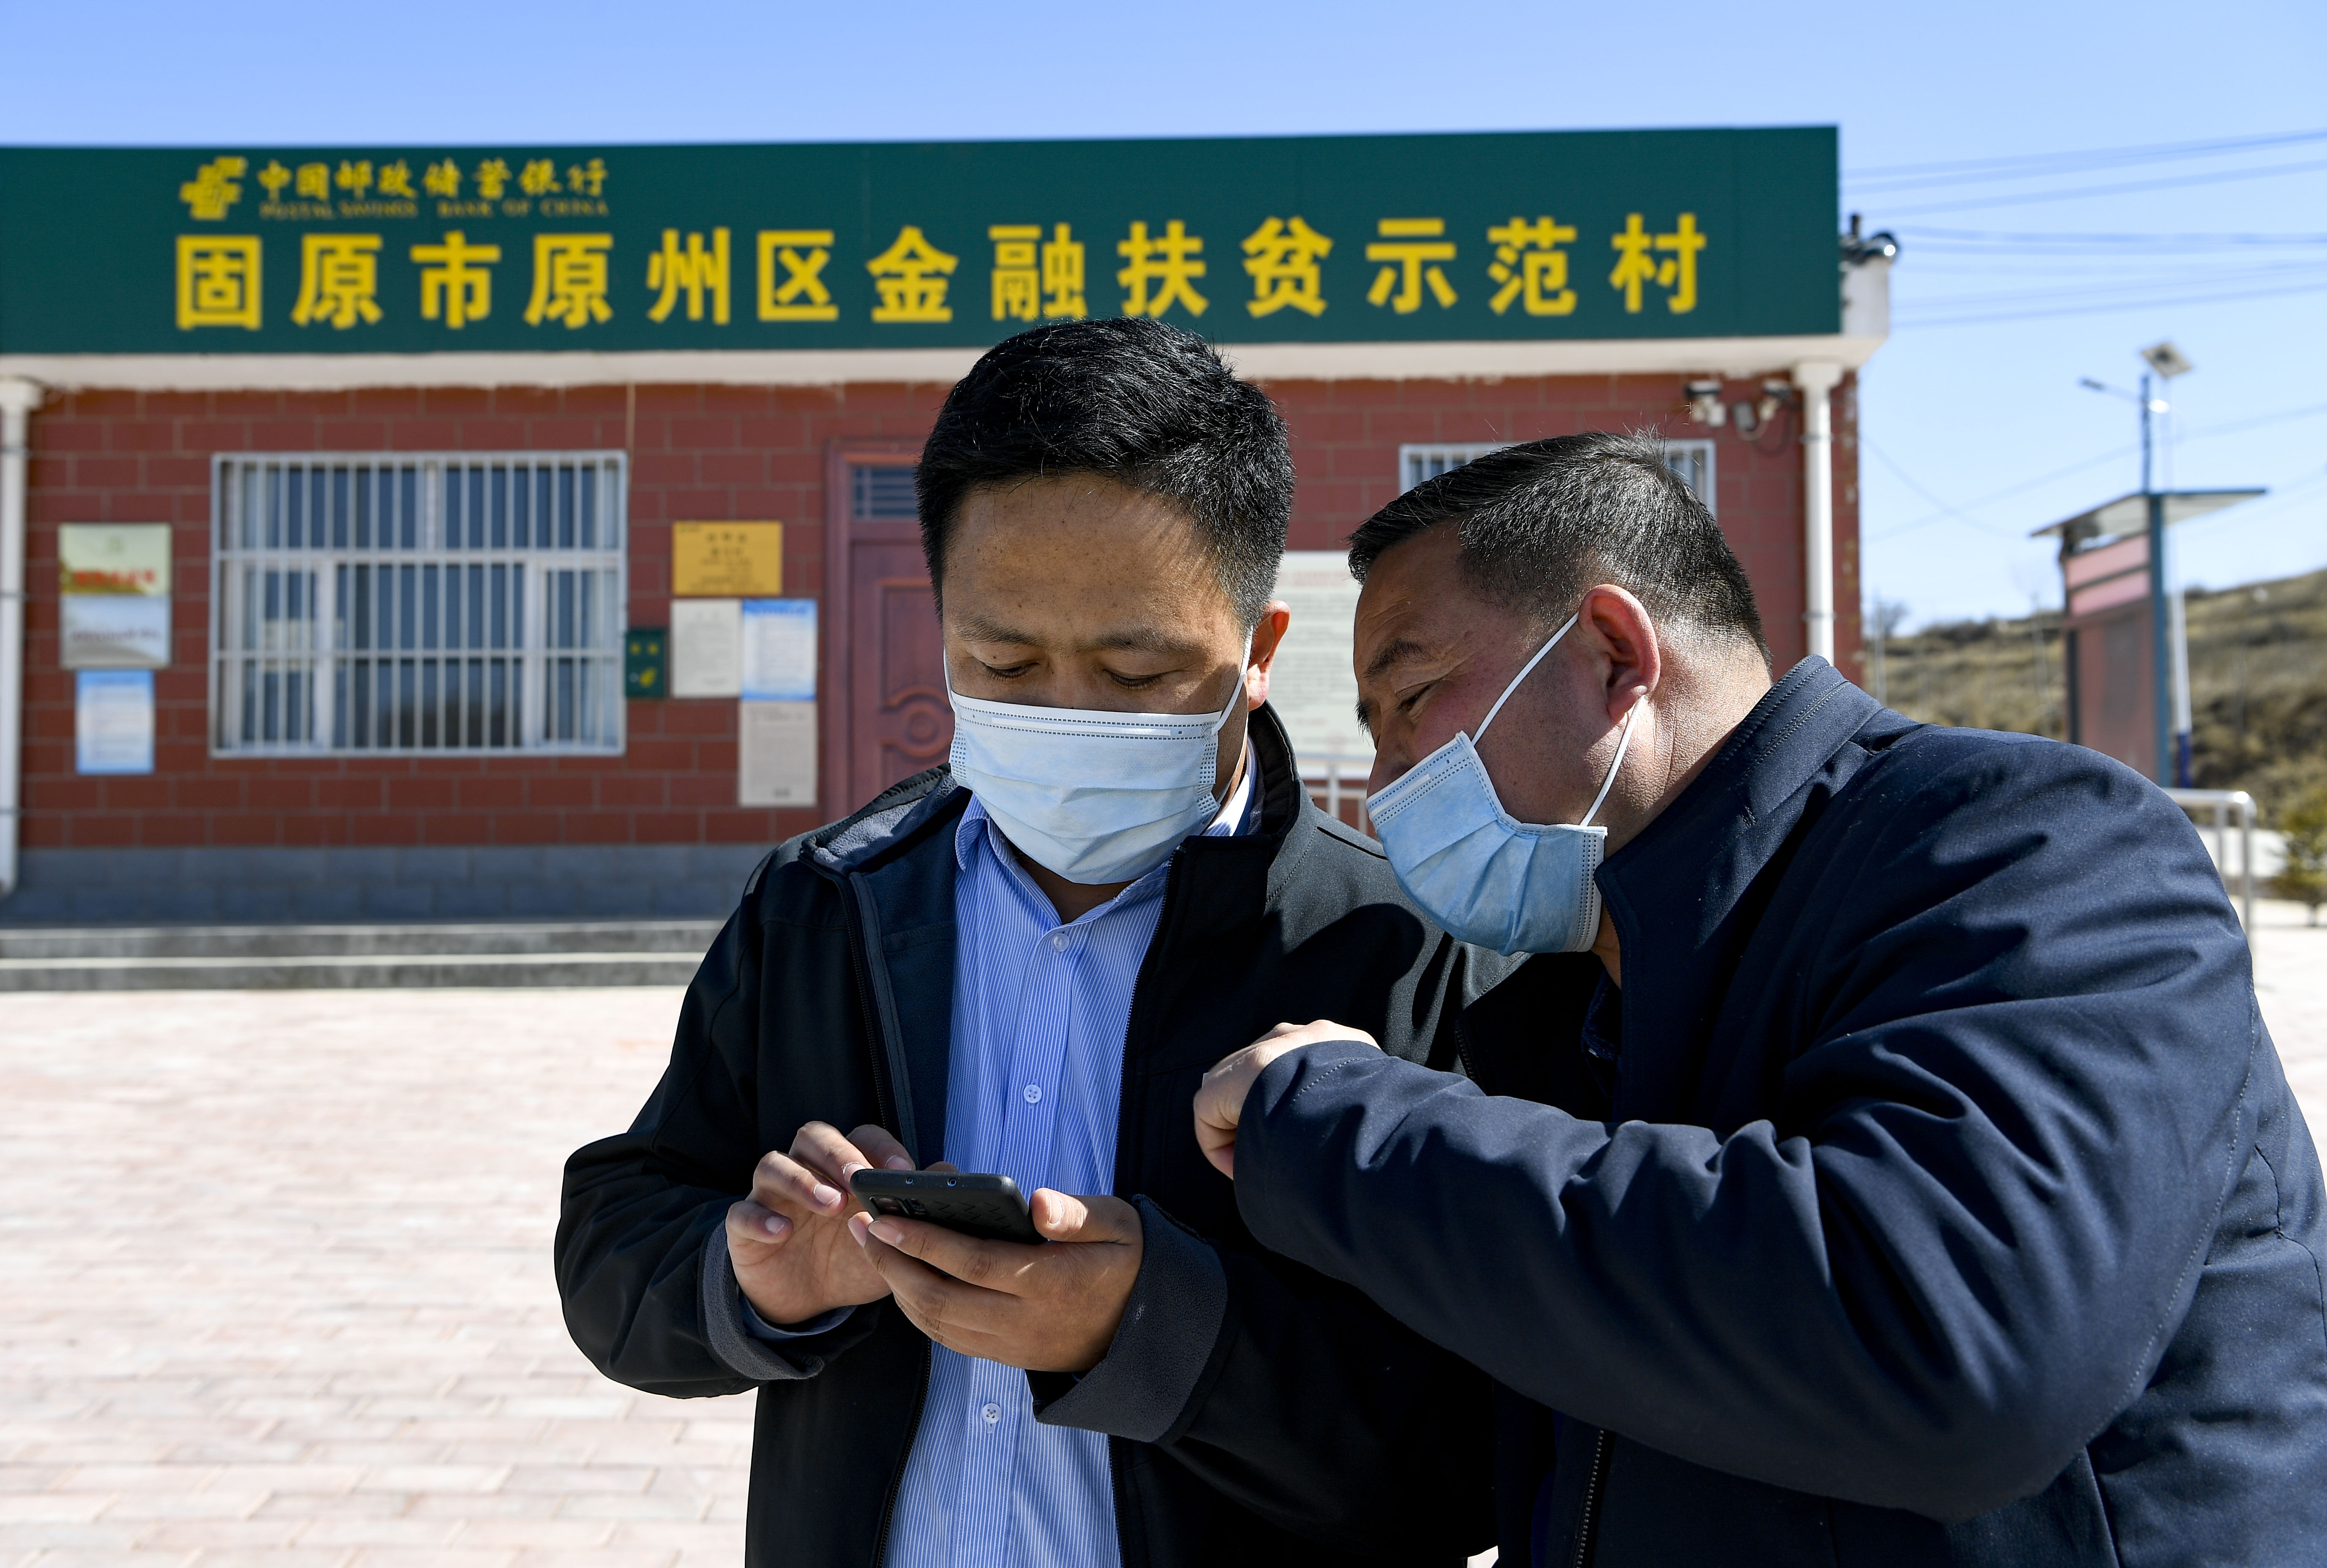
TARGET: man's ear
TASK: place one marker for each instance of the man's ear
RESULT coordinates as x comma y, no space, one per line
1266,638
1621,630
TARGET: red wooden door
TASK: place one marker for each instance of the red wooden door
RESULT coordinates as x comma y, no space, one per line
893,720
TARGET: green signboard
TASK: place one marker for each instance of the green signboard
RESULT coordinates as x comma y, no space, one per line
387,249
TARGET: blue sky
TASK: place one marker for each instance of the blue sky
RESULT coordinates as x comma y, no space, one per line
1971,413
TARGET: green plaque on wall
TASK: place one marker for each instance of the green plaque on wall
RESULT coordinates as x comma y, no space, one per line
645,662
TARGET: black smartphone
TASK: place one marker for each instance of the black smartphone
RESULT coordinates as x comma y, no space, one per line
984,1206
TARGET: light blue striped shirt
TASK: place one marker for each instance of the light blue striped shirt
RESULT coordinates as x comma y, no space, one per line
1036,1074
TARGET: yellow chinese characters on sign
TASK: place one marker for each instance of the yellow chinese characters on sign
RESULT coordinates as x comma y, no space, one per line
726,560
1017,278
1639,262
1036,277
693,272
1282,258
909,277
1157,273
569,279
1411,250
1531,268
212,190
456,280
1062,276
802,296
218,281
339,279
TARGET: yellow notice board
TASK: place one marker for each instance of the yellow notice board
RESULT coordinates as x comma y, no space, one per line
727,560
113,558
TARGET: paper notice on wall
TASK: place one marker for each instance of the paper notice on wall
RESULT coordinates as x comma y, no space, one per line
113,720
1311,683
779,650
114,631
775,754
706,648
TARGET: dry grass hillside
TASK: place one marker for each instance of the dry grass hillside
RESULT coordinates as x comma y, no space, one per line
2258,682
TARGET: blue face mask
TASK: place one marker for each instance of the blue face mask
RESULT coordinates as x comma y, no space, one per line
1483,875
1096,797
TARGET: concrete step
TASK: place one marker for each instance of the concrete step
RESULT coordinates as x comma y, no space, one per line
284,958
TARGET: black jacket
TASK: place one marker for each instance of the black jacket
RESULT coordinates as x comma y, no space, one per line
1931,1193
1259,1413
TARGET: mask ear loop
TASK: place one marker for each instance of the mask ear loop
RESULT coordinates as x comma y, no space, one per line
1622,740
1564,628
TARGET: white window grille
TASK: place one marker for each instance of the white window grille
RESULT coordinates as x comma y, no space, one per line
1691,460
417,603
1416,464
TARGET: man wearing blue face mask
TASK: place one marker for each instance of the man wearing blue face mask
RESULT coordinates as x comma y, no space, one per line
1883,1161
1023,963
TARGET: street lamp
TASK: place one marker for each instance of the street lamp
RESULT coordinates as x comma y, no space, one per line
2169,634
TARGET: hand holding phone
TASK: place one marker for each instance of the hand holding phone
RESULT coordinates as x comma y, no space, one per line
971,1203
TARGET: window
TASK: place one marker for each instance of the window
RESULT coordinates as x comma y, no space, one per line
883,492
1416,464
1692,460
413,603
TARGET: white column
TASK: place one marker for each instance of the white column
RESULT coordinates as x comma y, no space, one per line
18,399
1817,378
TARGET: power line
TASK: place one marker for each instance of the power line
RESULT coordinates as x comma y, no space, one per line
2078,193
2033,165
1908,320
1923,234
2201,434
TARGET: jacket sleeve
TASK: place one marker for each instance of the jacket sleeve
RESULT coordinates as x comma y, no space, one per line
1955,1250
1293,1395
649,1296
1220,1362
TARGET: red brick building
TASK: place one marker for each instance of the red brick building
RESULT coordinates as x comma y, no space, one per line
630,808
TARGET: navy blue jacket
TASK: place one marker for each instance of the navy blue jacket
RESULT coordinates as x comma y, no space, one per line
1930,1193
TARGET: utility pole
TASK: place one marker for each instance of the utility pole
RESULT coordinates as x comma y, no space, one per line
2171,748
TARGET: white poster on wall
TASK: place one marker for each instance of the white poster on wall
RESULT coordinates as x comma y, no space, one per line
706,648
780,650
113,720
114,631
1311,683
775,762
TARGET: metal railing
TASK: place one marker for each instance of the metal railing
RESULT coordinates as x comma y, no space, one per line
1337,777
2222,802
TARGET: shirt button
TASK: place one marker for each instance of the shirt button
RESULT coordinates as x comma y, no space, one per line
1033,1093
993,1413
1058,940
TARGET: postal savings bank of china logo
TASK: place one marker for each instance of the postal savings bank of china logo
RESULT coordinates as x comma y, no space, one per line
1037,271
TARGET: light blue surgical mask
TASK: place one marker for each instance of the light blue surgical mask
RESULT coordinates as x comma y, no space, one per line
1483,875
1096,797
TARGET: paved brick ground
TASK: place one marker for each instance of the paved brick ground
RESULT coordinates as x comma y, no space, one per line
274,1280
274,1288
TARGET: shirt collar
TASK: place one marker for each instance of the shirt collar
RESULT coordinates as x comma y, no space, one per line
1239,816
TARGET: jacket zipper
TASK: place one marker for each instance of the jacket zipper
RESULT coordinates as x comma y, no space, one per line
883,1101
1591,1500
885,1107
897,1480
1118,1452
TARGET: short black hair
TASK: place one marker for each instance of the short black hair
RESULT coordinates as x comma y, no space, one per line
1129,399
1543,521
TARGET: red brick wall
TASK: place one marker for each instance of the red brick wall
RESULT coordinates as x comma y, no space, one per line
697,452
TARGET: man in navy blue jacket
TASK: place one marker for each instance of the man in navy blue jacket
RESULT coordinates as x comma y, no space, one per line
1884,1162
